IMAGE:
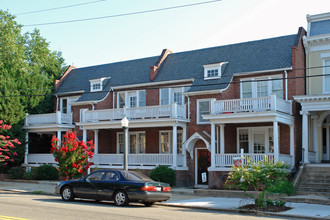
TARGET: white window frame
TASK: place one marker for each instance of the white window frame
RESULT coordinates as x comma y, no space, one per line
256,130
67,105
171,92
138,147
129,94
213,66
269,81
96,82
170,137
69,100
197,112
325,58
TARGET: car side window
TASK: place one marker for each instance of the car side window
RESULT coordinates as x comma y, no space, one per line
96,176
111,176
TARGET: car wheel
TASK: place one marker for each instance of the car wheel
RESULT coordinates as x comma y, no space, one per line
67,193
121,198
148,204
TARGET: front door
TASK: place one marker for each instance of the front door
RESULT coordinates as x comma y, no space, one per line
326,144
203,162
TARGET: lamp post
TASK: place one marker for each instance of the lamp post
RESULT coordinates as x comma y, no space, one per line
124,124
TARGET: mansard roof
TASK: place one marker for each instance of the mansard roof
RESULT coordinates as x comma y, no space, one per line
254,56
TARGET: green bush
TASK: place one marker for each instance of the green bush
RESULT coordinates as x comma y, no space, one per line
31,174
16,172
284,186
164,174
47,172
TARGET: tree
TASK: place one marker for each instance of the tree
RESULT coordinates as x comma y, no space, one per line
28,69
73,156
7,145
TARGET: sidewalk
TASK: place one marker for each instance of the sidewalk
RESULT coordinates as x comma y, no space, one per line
183,197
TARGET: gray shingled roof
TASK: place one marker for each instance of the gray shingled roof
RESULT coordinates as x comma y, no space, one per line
268,54
320,27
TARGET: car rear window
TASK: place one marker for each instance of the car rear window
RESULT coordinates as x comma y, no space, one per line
135,176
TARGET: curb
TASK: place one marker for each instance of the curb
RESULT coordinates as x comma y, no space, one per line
32,181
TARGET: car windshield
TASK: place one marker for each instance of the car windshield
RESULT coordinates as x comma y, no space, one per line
131,175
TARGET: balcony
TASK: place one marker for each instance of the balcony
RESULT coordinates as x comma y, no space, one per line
147,112
57,118
260,104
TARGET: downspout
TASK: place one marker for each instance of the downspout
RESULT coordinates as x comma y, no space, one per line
188,102
56,104
113,98
286,84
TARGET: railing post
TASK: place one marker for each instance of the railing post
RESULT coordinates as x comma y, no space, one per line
174,113
212,106
273,102
213,145
58,117
26,119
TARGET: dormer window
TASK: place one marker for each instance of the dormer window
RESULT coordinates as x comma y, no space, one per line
214,70
97,84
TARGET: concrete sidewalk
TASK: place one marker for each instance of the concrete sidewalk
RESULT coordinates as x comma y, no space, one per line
183,197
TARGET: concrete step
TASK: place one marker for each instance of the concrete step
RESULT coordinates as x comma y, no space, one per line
314,181
324,194
312,199
315,185
313,189
316,173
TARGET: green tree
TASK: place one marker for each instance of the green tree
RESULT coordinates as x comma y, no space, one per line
28,69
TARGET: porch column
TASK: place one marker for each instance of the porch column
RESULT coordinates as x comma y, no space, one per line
212,145
26,148
84,135
292,153
175,147
59,135
315,138
184,138
305,136
276,145
222,139
96,141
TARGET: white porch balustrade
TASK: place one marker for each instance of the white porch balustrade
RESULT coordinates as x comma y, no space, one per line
270,103
114,159
147,112
51,118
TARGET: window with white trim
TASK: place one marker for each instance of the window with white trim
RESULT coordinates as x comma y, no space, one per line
131,99
326,87
137,142
262,87
165,142
203,108
169,95
213,71
96,84
64,106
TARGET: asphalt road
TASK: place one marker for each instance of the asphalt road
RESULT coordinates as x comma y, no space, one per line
30,206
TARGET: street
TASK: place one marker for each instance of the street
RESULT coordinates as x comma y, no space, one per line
32,206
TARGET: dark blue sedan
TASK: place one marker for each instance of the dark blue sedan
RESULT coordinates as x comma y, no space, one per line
119,186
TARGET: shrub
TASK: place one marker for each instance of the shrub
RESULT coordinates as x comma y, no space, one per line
284,186
47,172
164,174
16,172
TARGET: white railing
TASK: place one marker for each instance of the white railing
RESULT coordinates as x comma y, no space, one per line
225,160
147,112
51,118
136,159
40,159
270,103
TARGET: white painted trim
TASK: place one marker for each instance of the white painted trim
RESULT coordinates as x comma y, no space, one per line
197,110
152,84
208,92
170,136
263,71
69,93
324,76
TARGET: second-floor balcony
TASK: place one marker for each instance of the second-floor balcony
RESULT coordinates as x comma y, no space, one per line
148,112
51,118
260,104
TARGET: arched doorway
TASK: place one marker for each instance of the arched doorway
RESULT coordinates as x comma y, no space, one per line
203,161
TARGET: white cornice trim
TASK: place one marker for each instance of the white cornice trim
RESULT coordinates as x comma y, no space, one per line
69,93
152,84
311,98
318,17
263,71
208,92
84,103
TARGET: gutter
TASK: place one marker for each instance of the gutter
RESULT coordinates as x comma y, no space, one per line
263,71
151,84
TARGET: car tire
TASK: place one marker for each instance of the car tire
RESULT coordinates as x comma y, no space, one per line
120,198
149,204
67,193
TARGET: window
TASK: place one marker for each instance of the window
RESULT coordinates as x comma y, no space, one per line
131,99
262,87
179,143
203,108
64,106
96,176
96,87
137,142
213,71
96,84
165,143
164,96
177,96
326,87
244,140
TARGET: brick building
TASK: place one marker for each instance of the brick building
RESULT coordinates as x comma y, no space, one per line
195,111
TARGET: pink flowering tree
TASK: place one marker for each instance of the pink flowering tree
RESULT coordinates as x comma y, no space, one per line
73,156
7,145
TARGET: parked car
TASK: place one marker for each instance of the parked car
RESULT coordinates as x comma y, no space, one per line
118,185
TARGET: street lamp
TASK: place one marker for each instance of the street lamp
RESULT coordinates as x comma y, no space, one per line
124,124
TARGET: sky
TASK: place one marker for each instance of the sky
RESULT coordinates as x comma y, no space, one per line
121,38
